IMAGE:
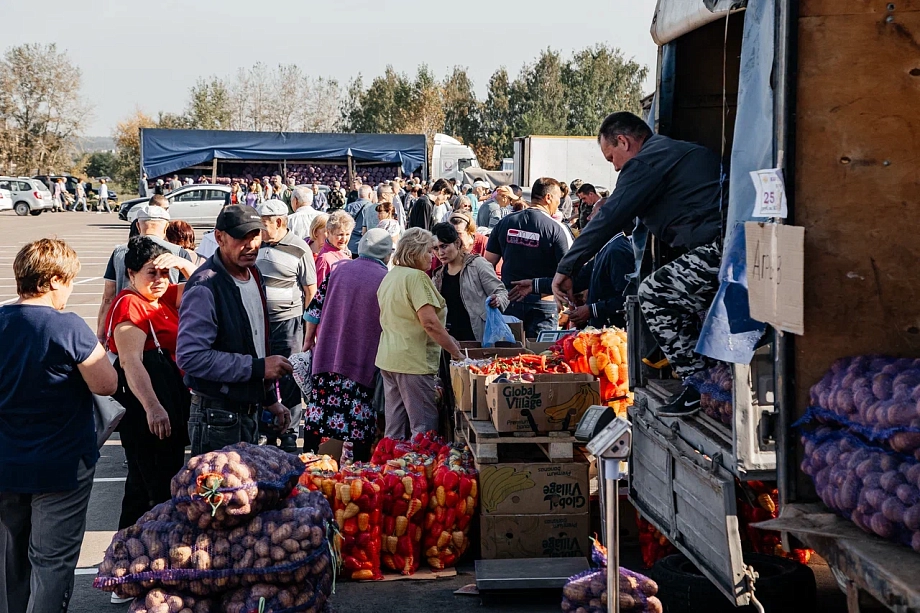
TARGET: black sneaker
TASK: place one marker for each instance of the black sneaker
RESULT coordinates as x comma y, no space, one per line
684,405
289,442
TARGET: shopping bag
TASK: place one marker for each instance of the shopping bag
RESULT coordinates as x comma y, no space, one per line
496,330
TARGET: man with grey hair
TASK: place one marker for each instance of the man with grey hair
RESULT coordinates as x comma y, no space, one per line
151,222
359,209
299,221
289,275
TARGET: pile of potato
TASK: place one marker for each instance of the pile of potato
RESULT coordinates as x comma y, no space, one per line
587,593
874,396
225,488
264,537
877,489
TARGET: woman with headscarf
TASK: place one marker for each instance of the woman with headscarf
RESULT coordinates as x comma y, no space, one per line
347,315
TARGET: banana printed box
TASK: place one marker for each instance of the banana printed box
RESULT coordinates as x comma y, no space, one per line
550,402
526,488
535,536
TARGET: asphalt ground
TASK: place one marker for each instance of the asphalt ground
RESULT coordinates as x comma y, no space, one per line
93,236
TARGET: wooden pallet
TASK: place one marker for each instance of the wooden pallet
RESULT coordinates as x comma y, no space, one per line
485,441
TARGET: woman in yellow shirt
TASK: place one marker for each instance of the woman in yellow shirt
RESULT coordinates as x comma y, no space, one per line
412,316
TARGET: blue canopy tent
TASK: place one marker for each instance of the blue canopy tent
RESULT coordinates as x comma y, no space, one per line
168,151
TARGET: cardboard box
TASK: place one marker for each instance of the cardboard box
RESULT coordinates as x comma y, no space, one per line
534,488
517,327
470,389
547,402
479,404
535,536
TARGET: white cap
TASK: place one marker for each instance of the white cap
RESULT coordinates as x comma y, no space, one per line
148,212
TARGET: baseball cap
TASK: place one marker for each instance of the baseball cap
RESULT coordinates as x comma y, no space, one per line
153,212
481,184
238,221
273,208
376,243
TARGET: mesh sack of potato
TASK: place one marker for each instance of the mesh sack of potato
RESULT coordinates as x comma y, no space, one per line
403,502
278,546
876,397
877,489
226,488
452,503
306,597
586,592
357,506
159,600
715,388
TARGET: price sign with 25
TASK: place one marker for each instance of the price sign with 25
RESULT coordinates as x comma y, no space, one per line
771,193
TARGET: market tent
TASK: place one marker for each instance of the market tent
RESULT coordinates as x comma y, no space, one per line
166,151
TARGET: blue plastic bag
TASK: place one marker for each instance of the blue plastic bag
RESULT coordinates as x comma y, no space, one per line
496,330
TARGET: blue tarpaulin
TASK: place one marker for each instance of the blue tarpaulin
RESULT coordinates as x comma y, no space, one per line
167,151
729,334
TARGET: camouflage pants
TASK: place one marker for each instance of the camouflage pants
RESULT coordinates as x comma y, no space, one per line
675,298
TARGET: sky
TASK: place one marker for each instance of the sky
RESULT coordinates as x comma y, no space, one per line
145,55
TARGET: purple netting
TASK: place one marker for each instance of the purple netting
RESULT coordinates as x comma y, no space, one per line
281,546
875,392
901,440
307,597
587,591
715,388
159,600
877,489
225,488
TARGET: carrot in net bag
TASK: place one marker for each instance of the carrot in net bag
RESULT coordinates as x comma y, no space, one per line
321,474
226,488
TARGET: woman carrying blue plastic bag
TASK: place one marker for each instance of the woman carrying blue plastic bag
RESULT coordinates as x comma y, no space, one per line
474,295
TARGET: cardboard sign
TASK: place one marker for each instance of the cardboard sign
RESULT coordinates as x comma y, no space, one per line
771,193
776,274
535,536
544,488
550,403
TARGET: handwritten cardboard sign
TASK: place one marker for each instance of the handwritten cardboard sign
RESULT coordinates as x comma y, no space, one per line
776,274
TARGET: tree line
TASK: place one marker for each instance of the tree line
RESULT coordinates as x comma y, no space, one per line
42,113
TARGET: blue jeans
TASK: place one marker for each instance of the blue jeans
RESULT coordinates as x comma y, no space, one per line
536,314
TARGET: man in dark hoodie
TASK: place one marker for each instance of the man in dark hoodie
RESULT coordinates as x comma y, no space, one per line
422,213
673,188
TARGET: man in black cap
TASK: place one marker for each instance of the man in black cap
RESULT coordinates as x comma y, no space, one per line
223,344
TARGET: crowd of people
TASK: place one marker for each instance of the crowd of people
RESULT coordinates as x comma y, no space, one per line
380,284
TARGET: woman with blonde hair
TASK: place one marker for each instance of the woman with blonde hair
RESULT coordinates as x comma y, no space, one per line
318,234
51,364
335,248
412,317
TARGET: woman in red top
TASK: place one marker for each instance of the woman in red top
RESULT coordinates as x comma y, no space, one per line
335,249
142,327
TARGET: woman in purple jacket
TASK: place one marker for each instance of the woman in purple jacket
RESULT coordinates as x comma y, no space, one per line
346,312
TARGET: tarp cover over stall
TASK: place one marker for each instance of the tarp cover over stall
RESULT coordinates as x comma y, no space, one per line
166,151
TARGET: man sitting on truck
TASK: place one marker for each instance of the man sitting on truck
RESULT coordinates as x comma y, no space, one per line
673,188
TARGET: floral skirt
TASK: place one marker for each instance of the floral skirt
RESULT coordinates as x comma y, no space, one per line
340,408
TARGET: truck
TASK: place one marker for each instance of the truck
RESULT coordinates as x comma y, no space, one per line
826,92
450,157
564,158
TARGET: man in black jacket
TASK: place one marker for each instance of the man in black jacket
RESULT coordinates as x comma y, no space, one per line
606,279
223,343
422,213
673,188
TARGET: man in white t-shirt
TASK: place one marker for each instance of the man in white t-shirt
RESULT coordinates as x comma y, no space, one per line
299,221
103,197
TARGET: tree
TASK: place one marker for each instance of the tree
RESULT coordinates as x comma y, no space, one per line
538,97
497,117
209,106
598,81
100,164
42,110
382,107
127,136
461,109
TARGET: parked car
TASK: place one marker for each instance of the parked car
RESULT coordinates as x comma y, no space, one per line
196,204
70,184
6,200
29,196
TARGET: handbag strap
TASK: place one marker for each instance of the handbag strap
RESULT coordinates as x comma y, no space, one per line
108,334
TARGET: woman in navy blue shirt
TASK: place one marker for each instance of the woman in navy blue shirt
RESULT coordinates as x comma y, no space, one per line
50,364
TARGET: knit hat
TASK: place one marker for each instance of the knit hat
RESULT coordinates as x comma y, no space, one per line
376,243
